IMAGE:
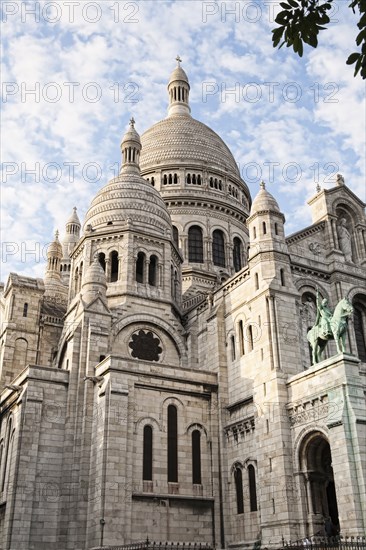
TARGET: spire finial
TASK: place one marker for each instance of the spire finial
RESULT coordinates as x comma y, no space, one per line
179,60
132,122
56,234
262,185
318,188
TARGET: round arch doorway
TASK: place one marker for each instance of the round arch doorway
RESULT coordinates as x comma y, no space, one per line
318,477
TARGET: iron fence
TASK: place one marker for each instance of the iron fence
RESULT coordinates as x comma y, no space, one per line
151,545
326,543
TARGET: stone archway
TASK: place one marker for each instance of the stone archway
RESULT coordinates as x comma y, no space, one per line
318,478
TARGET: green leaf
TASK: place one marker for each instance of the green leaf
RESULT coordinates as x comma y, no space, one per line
285,6
301,48
312,40
361,36
293,3
352,58
282,18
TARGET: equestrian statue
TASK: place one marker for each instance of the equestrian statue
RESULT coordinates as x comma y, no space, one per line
329,326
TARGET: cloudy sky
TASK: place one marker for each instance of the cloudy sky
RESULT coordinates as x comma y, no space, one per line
74,73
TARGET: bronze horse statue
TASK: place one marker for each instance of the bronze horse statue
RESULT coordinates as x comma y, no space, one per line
337,322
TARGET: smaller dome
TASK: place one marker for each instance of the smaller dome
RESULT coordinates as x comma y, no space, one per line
264,201
54,250
74,218
178,74
131,135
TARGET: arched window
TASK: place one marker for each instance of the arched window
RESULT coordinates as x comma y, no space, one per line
188,178
25,310
147,453
256,279
113,258
264,228
194,179
252,488
175,235
170,179
140,266
218,248
360,327
254,233
196,457
276,228
172,444
153,265
195,244
239,491
198,179
165,179
152,181
238,254
101,259
175,178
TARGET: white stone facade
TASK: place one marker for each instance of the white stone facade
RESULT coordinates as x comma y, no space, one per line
158,383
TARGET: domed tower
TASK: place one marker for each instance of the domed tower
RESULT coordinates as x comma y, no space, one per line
268,249
199,180
72,236
129,228
54,287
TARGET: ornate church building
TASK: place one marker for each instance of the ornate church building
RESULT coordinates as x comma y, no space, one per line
159,381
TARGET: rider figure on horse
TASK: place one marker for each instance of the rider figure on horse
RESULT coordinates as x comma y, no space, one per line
323,317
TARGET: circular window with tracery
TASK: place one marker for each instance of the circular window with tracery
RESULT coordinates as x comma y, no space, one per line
145,345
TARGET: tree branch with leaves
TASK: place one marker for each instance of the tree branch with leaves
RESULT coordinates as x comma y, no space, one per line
301,20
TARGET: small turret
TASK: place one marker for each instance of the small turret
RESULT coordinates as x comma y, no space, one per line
178,89
69,242
54,287
131,148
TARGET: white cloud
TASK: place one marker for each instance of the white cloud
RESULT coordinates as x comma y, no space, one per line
138,52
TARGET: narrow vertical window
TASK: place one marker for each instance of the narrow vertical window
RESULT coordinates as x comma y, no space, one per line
114,266
250,337
172,444
196,457
241,337
238,253
254,233
152,270
264,228
232,340
282,277
195,244
140,265
147,453
256,278
25,310
276,229
101,259
252,488
239,491
218,248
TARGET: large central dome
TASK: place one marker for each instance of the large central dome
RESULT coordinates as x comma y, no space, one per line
182,139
